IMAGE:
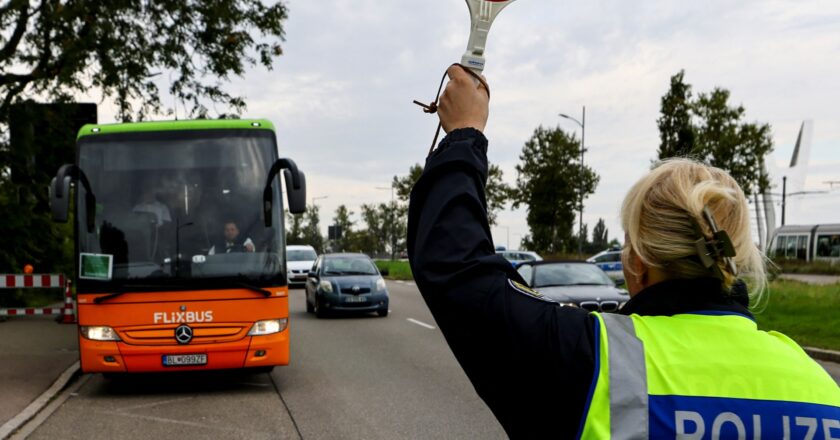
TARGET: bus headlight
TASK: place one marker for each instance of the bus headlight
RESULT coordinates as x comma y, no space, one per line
268,327
325,286
380,284
99,333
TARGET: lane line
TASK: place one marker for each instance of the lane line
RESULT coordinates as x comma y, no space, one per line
154,404
420,323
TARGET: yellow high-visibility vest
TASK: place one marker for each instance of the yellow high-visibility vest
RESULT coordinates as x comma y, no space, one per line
705,375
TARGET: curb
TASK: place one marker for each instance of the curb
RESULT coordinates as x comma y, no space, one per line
39,403
823,354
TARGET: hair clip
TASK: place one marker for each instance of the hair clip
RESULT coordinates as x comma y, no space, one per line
720,246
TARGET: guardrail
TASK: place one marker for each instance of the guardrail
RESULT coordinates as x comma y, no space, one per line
40,281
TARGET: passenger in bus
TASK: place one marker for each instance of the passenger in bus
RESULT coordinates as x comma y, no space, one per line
150,204
232,241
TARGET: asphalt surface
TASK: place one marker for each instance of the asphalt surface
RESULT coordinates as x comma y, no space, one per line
371,377
34,351
350,377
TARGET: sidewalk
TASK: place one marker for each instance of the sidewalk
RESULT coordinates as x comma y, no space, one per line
34,351
811,279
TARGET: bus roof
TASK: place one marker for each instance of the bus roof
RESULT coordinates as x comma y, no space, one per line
195,124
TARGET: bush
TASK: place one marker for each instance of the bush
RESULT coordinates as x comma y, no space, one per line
397,270
813,267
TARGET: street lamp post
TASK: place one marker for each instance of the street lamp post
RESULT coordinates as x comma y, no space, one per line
582,124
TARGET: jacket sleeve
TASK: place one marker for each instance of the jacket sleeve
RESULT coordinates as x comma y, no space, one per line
530,359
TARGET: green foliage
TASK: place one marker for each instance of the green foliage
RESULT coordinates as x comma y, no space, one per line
385,229
812,267
397,270
311,231
126,49
294,228
676,132
404,184
342,219
805,312
552,183
29,236
600,235
712,130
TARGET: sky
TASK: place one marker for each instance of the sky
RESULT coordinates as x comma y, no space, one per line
341,94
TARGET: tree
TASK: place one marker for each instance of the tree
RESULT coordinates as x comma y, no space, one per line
496,191
311,231
718,135
551,183
676,132
126,49
374,239
600,234
403,185
342,220
294,228
55,50
725,141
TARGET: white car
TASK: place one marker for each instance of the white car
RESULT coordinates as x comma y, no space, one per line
610,262
299,260
516,257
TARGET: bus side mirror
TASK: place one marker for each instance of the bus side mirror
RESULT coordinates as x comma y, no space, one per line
60,195
296,196
60,205
295,188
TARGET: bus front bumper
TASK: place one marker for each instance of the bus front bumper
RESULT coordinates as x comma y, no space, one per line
119,357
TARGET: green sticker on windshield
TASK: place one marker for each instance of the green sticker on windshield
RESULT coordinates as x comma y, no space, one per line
95,266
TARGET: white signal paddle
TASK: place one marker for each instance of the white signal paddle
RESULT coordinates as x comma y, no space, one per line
482,14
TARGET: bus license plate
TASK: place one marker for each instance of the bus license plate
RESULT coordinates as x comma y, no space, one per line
356,299
175,360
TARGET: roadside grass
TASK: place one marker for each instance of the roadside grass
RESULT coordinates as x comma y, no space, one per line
397,270
805,312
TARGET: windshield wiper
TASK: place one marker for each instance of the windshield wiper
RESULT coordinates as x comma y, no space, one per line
358,273
265,293
100,299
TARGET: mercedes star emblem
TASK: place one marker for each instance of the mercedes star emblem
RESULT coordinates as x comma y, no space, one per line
183,334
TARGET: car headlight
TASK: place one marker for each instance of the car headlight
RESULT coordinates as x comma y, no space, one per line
380,284
325,286
268,327
99,333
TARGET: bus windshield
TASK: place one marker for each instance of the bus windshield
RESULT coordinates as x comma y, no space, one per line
179,206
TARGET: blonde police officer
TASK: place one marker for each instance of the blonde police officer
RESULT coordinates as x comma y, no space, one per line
683,358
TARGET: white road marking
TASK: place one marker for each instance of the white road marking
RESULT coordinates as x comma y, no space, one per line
153,404
420,323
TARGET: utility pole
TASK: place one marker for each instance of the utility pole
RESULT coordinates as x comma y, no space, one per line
784,194
582,124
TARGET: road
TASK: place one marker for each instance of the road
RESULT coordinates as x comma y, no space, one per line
350,377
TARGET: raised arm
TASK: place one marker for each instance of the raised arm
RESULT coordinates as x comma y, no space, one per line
525,355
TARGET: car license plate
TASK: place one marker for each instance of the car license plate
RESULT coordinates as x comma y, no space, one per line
356,299
175,360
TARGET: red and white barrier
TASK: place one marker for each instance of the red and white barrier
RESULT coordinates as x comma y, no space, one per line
40,281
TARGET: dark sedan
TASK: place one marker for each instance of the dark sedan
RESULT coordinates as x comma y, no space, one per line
345,283
574,282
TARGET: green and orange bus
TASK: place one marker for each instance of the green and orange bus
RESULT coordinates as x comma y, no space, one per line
179,238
